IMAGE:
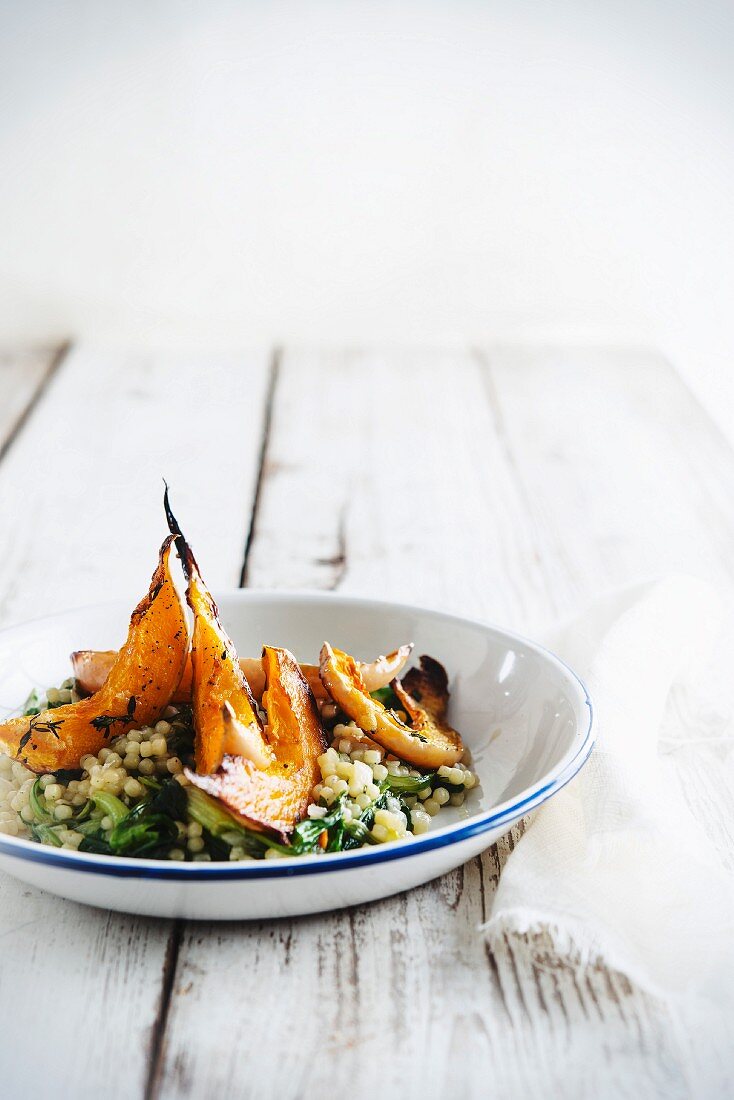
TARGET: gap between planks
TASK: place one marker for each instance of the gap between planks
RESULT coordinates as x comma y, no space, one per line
270,396
158,1030
56,358
156,1060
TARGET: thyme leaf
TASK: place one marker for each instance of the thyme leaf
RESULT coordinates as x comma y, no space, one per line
107,721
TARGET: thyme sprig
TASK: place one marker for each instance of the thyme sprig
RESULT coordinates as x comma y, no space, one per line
49,725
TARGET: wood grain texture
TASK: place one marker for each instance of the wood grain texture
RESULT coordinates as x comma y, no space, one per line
90,465
625,474
386,475
458,480
82,991
501,483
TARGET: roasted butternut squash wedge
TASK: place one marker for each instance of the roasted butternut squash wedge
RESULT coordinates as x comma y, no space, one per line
428,742
275,798
139,685
91,668
265,776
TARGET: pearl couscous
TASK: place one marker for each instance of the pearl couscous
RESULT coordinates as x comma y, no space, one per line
134,798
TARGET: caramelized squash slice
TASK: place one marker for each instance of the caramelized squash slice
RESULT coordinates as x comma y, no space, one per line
424,695
264,776
139,685
91,668
275,798
429,741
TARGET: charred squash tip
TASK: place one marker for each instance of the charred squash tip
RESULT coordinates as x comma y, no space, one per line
430,681
185,553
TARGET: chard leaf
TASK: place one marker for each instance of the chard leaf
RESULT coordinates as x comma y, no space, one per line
409,784
139,833
387,697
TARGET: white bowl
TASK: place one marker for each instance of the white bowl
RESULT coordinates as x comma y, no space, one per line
524,715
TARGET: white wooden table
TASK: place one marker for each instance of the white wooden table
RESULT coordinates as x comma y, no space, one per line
506,483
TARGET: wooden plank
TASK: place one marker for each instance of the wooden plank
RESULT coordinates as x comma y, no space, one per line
396,466
413,476
81,492
627,475
90,474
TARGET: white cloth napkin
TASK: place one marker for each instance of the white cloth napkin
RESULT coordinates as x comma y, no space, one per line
615,868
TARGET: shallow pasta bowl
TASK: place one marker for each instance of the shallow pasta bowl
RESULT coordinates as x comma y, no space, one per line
524,715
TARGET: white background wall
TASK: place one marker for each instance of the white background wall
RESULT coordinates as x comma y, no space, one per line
212,172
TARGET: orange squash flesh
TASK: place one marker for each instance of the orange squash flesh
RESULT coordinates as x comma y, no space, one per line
275,798
341,677
216,680
139,685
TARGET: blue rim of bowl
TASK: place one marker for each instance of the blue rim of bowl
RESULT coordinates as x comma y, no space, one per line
122,867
